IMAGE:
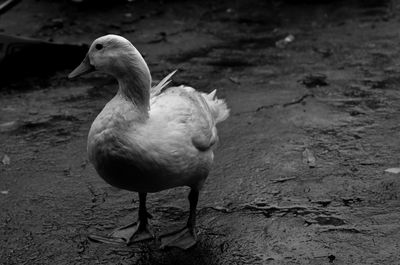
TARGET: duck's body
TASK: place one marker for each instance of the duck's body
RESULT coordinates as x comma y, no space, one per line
148,140
171,147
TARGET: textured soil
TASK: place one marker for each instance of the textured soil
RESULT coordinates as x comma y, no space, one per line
299,175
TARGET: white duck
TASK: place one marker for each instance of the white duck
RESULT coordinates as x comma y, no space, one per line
150,139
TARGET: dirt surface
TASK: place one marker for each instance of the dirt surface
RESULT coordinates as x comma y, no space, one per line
299,176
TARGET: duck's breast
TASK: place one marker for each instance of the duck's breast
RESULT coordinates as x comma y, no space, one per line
147,166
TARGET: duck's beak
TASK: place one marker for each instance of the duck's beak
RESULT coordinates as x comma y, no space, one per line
84,68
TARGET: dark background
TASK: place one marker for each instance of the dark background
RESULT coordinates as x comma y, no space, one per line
299,176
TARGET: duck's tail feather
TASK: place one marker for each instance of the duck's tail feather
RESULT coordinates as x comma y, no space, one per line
156,90
218,107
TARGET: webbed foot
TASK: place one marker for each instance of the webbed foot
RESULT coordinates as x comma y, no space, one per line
131,233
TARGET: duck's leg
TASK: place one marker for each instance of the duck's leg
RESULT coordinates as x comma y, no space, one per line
135,232
186,237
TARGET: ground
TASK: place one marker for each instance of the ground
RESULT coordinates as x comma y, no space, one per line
299,174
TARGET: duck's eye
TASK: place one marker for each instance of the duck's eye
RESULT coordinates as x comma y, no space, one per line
99,46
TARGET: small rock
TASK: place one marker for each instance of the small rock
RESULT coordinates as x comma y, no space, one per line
314,80
67,171
5,192
84,163
325,52
6,160
284,42
55,23
324,203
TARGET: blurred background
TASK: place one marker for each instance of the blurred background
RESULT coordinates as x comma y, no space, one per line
307,168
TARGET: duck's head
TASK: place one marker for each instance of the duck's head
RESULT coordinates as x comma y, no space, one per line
114,55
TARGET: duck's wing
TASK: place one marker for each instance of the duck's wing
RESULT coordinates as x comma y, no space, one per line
205,132
219,109
157,89
195,114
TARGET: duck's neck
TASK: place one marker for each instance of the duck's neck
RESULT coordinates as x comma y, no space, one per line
134,82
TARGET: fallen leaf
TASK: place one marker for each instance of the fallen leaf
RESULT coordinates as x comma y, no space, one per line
221,209
234,80
283,179
5,160
394,170
8,126
309,158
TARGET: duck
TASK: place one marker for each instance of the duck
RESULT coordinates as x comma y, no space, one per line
149,139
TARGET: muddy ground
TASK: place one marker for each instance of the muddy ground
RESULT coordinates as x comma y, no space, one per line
299,176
